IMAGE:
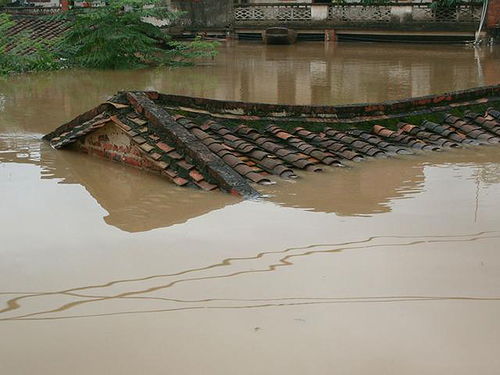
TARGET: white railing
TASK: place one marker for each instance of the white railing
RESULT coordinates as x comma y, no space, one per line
356,12
280,12
462,13
349,13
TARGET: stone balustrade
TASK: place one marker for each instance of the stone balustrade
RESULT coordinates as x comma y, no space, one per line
356,12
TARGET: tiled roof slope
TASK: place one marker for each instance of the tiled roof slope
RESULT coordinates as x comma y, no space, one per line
192,150
37,29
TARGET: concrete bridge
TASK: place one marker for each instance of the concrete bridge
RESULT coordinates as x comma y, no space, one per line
315,19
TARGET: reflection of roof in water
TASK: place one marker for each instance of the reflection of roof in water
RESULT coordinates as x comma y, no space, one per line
369,188
135,201
364,189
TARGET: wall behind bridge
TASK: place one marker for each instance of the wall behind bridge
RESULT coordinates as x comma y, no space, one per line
206,13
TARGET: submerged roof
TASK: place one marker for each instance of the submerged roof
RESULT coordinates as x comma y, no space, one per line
44,30
198,146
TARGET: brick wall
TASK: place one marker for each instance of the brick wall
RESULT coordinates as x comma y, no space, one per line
112,143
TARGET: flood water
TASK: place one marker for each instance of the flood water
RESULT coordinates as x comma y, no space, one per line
388,267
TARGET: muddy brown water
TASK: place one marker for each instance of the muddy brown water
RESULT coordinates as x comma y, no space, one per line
387,267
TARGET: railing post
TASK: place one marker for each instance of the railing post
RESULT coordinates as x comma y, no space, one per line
319,12
401,14
330,35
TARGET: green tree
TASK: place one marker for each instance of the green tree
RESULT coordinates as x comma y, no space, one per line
117,36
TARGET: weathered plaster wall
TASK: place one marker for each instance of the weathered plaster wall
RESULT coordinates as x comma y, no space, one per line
206,13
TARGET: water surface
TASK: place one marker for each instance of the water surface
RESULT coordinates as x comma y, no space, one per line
388,267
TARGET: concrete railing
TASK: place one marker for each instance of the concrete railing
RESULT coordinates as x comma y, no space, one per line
279,12
356,12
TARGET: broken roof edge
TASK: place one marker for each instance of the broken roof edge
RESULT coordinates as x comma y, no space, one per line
78,120
110,107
